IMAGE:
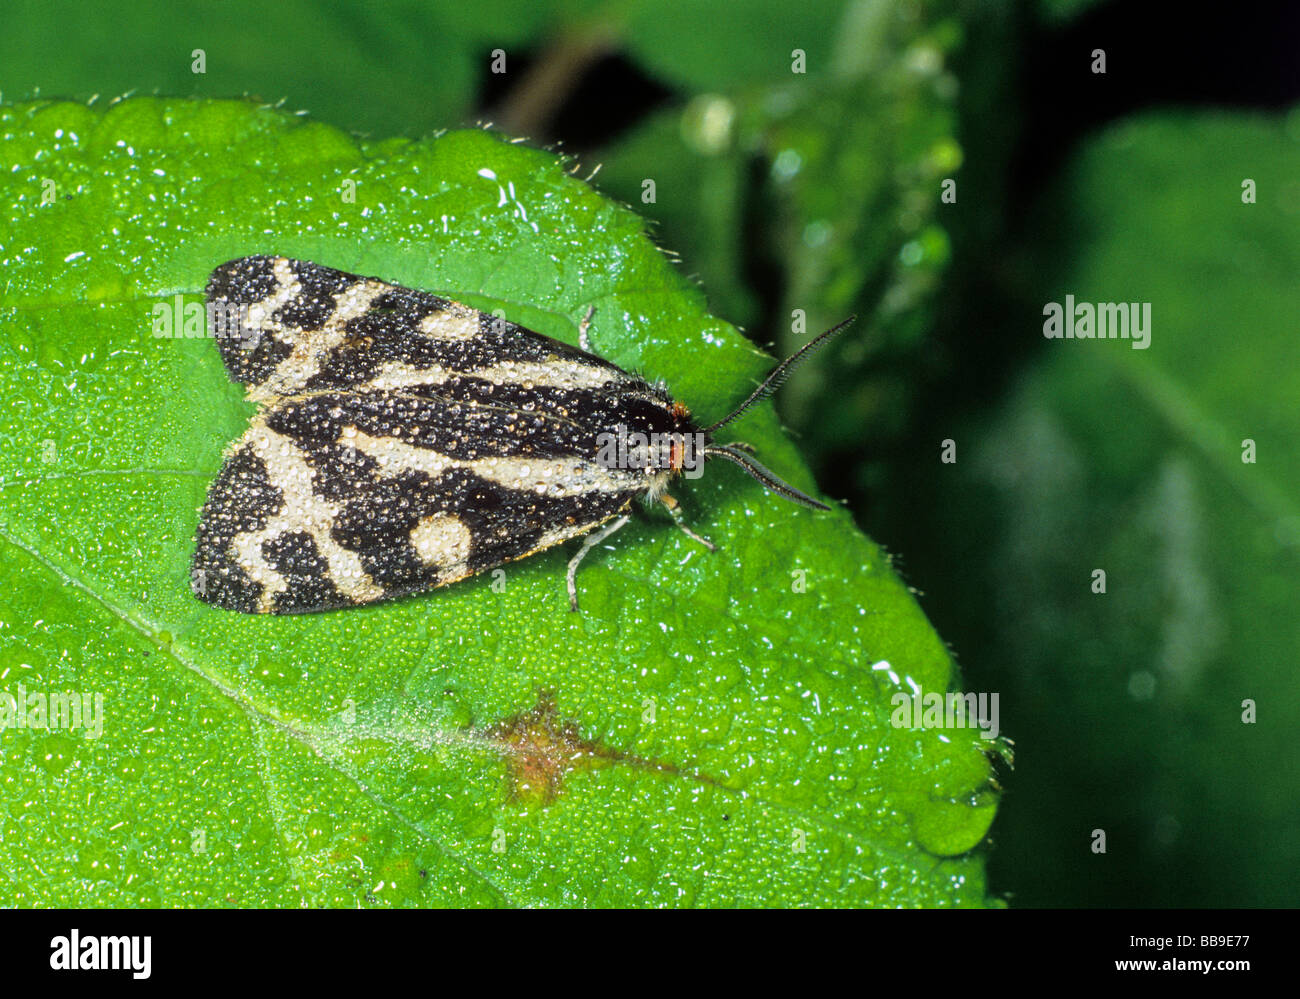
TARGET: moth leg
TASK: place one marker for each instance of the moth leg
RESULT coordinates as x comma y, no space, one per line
583,341
591,541
675,509
742,446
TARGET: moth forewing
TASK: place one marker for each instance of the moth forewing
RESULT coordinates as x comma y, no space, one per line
406,441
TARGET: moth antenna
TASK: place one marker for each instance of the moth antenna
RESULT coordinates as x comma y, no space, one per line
777,378
763,475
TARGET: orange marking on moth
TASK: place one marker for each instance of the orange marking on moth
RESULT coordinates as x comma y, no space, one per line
677,455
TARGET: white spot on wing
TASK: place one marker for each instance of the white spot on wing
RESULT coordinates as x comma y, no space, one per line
556,373
557,534
552,373
455,322
558,477
442,540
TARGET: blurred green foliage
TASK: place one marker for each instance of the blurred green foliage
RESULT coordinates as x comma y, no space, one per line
1131,705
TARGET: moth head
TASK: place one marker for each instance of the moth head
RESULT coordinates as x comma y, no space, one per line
740,453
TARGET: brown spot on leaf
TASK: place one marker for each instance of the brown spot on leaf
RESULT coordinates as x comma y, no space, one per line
541,748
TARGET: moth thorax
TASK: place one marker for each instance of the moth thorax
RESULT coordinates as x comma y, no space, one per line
651,451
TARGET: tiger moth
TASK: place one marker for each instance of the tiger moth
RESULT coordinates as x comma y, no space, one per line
405,442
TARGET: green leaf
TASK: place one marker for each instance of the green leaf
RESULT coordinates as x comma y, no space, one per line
704,732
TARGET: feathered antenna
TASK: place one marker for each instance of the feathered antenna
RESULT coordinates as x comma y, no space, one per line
775,380
763,475
733,452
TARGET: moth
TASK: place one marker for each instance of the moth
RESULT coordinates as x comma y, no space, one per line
405,441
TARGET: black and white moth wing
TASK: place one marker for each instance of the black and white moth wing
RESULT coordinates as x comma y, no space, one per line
405,441
338,499
291,326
